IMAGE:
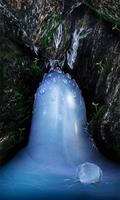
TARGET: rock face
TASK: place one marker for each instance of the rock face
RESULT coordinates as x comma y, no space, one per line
18,77
108,8
47,27
35,23
38,23
98,72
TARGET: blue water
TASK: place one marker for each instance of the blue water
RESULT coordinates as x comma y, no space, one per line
59,143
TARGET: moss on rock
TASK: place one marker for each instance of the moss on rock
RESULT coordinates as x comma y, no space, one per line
18,82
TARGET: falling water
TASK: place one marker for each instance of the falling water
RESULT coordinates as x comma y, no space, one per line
58,36
53,64
57,39
58,135
72,52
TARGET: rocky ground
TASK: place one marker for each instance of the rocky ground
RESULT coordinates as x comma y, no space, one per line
27,38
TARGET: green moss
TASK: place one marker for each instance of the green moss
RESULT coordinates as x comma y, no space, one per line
85,22
5,70
100,66
36,68
98,110
49,28
8,54
103,68
115,27
65,35
106,71
16,115
19,80
47,40
19,41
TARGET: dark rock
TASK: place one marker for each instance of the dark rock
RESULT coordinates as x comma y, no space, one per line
35,23
109,9
97,71
19,77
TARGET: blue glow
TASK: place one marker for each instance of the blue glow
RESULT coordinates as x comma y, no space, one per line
58,145
58,137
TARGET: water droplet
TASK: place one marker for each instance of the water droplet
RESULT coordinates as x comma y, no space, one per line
42,91
49,75
68,75
74,82
54,80
65,81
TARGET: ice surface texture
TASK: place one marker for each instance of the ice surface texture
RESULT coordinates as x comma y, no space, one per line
58,134
89,173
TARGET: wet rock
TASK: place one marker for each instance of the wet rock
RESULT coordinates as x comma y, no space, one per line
19,76
35,23
97,71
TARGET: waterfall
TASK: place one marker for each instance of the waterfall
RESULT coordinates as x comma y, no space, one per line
53,64
58,134
58,36
57,39
72,52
